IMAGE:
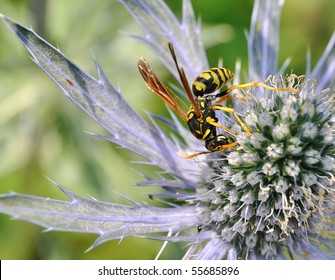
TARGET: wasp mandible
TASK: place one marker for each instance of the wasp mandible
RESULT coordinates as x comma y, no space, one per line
201,117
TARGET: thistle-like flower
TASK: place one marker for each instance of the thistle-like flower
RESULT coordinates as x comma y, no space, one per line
276,190
269,197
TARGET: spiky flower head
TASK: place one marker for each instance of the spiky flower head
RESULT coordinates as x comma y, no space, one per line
276,189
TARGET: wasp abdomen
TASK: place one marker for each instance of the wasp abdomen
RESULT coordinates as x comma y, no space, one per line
211,80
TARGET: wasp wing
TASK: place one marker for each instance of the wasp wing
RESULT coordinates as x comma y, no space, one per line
154,84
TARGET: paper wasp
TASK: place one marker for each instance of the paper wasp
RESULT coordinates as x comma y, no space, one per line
201,118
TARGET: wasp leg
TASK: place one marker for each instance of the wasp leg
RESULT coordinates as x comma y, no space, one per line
196,154
227,146
213,122
219,148
226,97
223,95
232,111
257,84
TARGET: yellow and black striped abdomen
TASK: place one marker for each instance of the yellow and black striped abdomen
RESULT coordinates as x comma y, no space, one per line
211,80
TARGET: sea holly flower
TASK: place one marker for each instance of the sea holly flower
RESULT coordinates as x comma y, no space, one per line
269,197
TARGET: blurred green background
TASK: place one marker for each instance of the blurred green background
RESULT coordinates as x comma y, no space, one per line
42,133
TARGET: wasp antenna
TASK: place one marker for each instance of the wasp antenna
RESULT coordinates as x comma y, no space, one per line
184,81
